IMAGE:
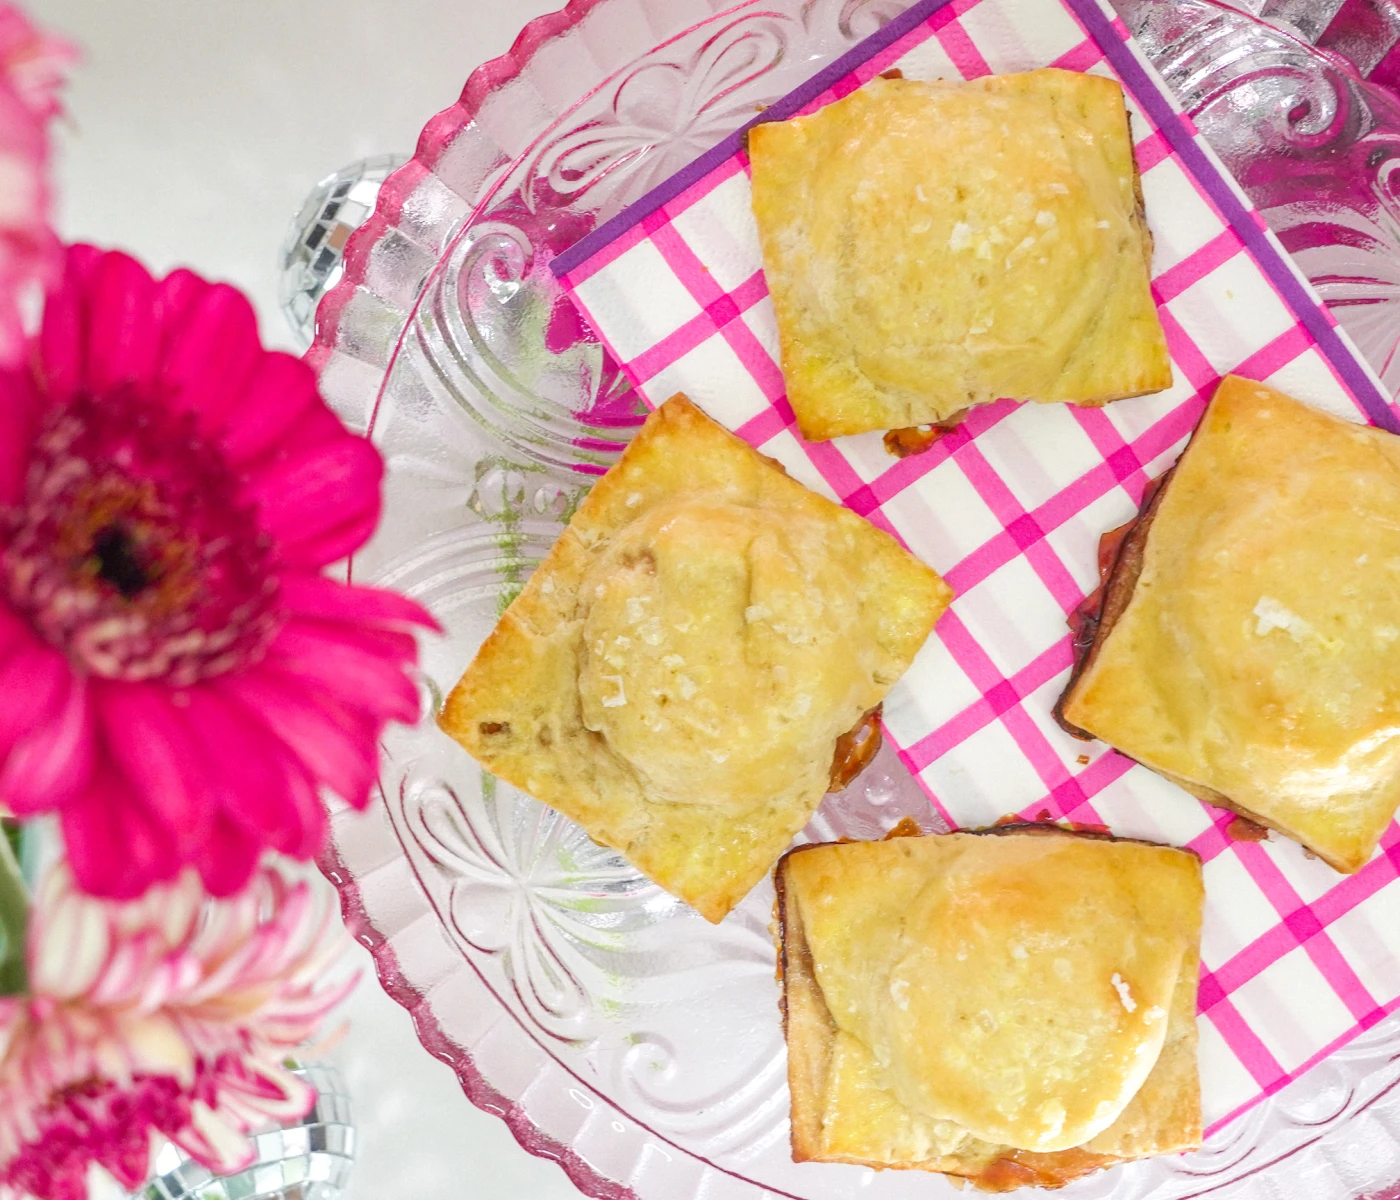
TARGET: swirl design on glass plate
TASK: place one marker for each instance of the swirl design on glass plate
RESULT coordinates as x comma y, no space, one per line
1351,252
664,111
610,970
860,18
527,885
1313,144
494,343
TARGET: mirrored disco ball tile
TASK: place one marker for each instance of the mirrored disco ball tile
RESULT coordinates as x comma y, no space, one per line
311,254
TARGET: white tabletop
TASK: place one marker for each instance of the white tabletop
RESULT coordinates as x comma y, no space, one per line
194,132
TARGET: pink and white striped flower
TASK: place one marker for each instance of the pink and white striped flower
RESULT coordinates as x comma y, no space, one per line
169,1015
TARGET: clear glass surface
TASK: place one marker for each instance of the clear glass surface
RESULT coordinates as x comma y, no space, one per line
612,1028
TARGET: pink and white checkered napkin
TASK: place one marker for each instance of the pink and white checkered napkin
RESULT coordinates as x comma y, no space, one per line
1009,508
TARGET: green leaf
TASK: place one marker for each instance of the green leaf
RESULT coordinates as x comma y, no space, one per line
14,915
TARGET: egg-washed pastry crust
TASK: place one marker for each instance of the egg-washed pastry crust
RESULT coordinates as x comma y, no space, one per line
868,1126
934,246
696,661
1249,647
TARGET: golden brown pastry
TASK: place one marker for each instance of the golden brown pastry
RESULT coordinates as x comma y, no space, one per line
933,246
677,674
1250,646
1015,1007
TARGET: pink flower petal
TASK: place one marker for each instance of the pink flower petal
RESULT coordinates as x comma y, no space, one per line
397,645
290,936
129,1160
19,404
123,335
323,504
315,428
171,978
280,393
338,748
276,1094
177,299
15,270
113,846
70,941
31,70
48,766
149,741
347,665
62,337
33,681
249,780
311,819
215,357
130,963
34,62
214,1142
329,600
25,144
227,857
333,544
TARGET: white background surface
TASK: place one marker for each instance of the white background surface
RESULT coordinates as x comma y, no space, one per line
194,131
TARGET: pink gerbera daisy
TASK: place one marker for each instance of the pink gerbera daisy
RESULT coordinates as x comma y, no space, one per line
177,677
172,1015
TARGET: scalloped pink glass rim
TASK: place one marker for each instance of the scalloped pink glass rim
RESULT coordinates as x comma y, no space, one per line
436,135
478,1090
392,196
396,190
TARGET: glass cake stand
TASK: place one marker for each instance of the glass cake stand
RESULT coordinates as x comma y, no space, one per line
610,1027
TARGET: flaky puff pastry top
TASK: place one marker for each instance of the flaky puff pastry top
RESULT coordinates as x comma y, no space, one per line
931,246
1014,989
676,674
1259,656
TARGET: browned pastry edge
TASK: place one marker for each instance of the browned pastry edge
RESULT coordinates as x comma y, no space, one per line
1140,208
1121,555
1098,833
798,985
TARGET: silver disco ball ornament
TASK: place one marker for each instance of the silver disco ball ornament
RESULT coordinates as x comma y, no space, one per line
315,244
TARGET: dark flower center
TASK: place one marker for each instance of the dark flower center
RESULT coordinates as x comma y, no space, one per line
132,549
117,561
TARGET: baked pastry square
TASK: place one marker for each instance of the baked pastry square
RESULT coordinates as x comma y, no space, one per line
1015,1006
933,246
1250,641
677,674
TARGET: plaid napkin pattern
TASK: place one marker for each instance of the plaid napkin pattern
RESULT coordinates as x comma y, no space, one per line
1009,508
